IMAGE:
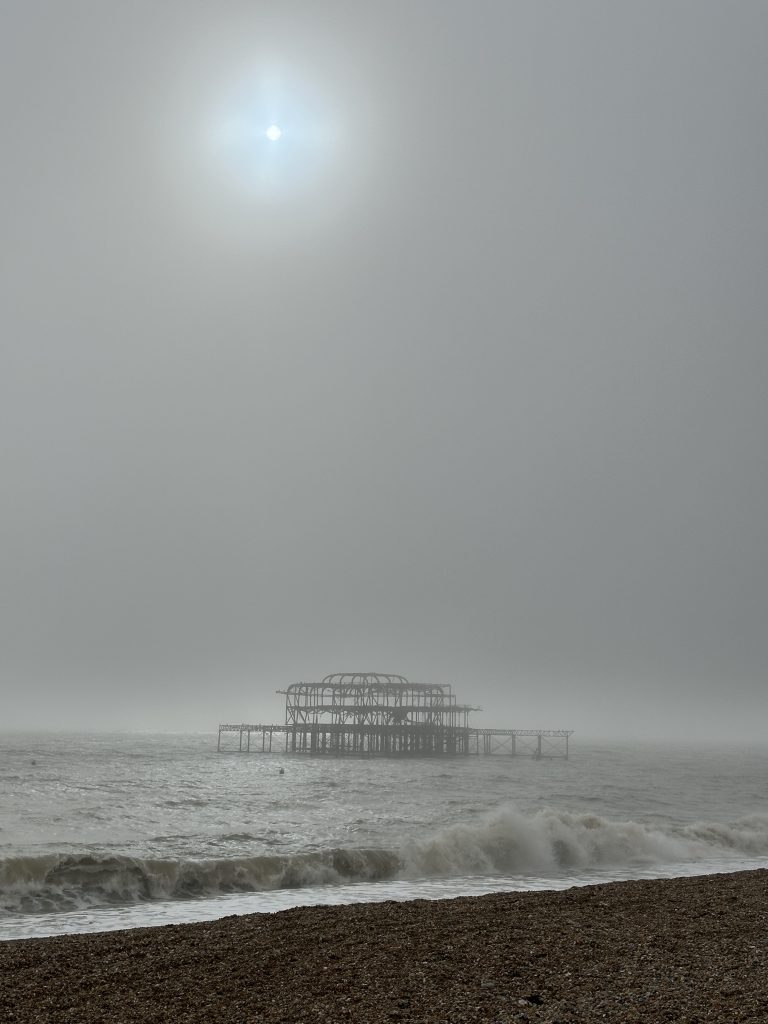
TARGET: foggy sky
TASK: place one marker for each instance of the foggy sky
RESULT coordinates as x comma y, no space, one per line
472,389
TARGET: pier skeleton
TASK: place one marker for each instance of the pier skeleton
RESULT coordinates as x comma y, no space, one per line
373,714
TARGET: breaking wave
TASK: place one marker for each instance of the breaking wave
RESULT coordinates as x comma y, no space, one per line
34,885
549,842
507,842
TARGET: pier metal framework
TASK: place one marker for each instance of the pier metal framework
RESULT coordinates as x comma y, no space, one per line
379,714
374,713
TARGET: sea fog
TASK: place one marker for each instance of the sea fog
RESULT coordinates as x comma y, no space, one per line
103,831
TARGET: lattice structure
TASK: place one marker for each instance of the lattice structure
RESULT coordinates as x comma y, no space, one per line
374,713
536,743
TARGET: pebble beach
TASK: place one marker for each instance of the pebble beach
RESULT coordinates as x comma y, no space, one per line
684,950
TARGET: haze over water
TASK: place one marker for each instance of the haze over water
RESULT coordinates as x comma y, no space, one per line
113,831
464,376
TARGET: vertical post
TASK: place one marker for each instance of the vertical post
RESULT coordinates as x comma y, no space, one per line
218,745
538,746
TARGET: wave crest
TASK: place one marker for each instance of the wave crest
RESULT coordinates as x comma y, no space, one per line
548,842
507,842
34,885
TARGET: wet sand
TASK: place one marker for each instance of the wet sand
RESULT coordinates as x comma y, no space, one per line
679,950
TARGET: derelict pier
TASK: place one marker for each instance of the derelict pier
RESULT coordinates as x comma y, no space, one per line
372,714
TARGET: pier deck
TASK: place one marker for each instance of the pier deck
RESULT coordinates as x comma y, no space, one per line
335,742
371,714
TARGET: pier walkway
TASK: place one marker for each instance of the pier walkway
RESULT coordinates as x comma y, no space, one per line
377,714
329,740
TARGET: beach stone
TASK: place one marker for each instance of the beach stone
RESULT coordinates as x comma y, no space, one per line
686,950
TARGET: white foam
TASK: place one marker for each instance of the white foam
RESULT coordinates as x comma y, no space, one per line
164,912
505,843
508,841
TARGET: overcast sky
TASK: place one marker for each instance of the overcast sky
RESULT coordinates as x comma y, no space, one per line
464,378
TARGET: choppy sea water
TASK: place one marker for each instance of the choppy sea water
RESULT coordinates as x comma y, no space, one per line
99,832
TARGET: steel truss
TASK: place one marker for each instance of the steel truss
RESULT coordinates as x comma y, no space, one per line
376,713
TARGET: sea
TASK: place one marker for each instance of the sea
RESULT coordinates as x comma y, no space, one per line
101,832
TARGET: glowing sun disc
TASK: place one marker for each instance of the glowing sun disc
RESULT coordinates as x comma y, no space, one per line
273,133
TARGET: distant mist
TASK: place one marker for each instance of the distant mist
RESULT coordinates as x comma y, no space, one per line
466,381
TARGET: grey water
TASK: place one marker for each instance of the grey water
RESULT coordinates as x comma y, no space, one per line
105,831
